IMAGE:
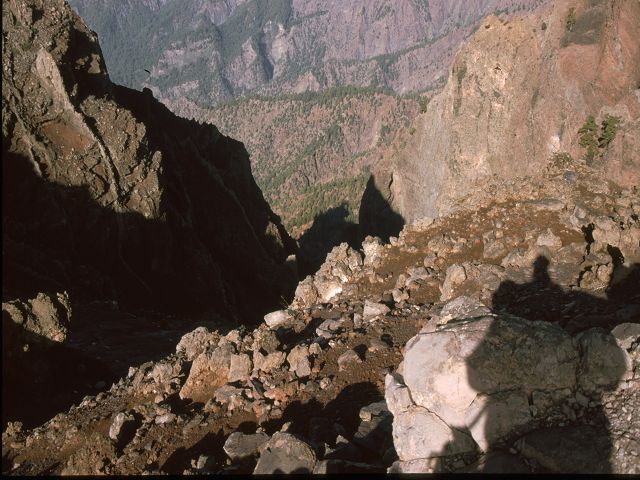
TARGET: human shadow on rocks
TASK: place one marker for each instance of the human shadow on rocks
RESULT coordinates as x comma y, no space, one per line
542,299
519,367
328,230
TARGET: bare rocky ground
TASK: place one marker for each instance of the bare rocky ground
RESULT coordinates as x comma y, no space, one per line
305,391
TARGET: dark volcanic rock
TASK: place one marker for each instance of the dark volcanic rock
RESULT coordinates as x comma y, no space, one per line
109,195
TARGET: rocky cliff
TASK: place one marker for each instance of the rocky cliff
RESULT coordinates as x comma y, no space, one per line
211,51
109,195
518,94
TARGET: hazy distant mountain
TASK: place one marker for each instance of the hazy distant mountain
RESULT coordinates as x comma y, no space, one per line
214,50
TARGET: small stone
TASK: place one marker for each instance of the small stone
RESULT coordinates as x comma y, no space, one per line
239,368
347,358
277,318
582,400
376,345
357,320
298,360
165,418
372,310
284,453
122,428
240,446
315,349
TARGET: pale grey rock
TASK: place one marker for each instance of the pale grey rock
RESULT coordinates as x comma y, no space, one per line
372,410
573,449
298,360
315,349
239,368
327,289
419,433
549,239
497,462
444,370
418,465
208,371
164,371
397,395
454,276
373,250
194,343
284,453
463,307
277,318
626,334
205,463
306,293
239,446
603,364
47,315
165,418
491,417
473,375
372,310
122,428
229,395
272,362
265,340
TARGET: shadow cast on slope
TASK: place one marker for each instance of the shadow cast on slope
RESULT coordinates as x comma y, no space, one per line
331,228
543,300
209,248
376,216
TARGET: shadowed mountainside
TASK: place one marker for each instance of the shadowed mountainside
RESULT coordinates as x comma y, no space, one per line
105,180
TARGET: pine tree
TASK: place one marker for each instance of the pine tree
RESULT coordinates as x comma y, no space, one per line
609,128
588,138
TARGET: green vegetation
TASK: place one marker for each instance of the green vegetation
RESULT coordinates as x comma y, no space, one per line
571,19
594,143
461,73
586,28
588,138
248,20
609,128
317,199
561,159
424,104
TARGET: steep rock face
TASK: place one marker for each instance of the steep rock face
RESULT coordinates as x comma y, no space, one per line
212,51
108,194
517,94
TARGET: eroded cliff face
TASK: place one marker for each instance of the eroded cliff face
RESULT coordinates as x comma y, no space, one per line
107,194
518,92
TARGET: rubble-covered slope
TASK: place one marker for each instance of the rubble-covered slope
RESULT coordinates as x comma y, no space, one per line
508,330
109,195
